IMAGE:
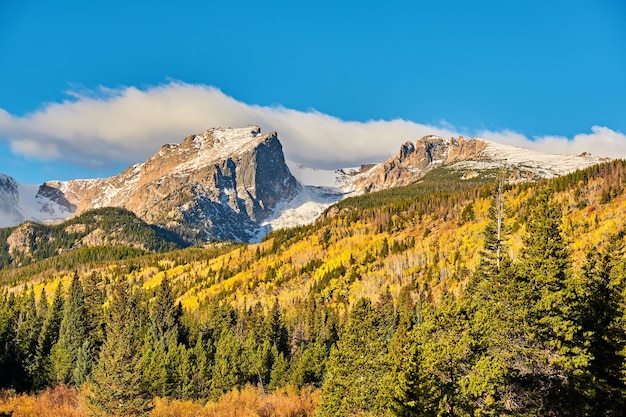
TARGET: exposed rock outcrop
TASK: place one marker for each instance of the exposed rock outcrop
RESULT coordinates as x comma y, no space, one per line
416,159
220,184
21,240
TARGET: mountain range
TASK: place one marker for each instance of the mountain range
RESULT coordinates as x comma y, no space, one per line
235,184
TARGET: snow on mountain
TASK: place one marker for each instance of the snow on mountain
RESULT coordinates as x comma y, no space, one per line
28,202
235,183
416,159
304,208
545,165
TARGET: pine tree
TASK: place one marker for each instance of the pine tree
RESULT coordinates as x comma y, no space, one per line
165,315
94,314
201,368
498,314
308,365
546,268
116,387
280,369
275,331
226,373
601,314
12,370
154,366
440,362
357,366
72,334
28,330
257,360
47,338
402,353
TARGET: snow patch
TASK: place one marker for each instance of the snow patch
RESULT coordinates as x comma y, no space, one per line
545,164
304,208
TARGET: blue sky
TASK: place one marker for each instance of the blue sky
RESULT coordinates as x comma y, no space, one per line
87,88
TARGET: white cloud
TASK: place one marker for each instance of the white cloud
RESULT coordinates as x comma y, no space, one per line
128,124
602,141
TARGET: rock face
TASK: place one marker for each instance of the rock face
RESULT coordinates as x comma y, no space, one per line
52,200
234,184
220,184
9,194
21,239
416,159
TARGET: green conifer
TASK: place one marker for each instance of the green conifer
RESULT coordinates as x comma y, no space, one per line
47,338
72,334
116,387
357,366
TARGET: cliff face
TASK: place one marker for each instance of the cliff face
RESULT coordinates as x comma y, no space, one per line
9,194
220,184
416,159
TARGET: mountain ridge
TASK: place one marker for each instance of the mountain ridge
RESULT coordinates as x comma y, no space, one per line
235,184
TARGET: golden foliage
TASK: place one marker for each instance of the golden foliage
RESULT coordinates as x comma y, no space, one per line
64,401
59,401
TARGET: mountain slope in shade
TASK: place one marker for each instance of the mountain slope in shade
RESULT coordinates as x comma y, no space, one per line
22,202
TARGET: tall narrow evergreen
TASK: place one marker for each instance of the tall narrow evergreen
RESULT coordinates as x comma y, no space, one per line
226,372
356,368
27,335
601,314
72,333
12,370
116,387
47,338
494,247
546,268
165,315
275,331
94,314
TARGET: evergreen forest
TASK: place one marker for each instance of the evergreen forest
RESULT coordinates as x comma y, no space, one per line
442,298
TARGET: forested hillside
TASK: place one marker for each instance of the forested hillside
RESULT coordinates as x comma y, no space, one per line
108,226
446,297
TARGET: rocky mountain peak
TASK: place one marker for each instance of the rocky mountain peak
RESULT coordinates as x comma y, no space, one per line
415,159
469,156
221,183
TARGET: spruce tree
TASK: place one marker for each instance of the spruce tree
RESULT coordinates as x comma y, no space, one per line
72,334
356,368
47,338
601,314
201,368
308,365
165,315
155,369
494,234
440,361
94,313
12,370
275,331
280,369
546,269
28,330
116,387
226,372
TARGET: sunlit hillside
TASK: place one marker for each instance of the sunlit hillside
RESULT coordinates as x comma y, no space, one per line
414,265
